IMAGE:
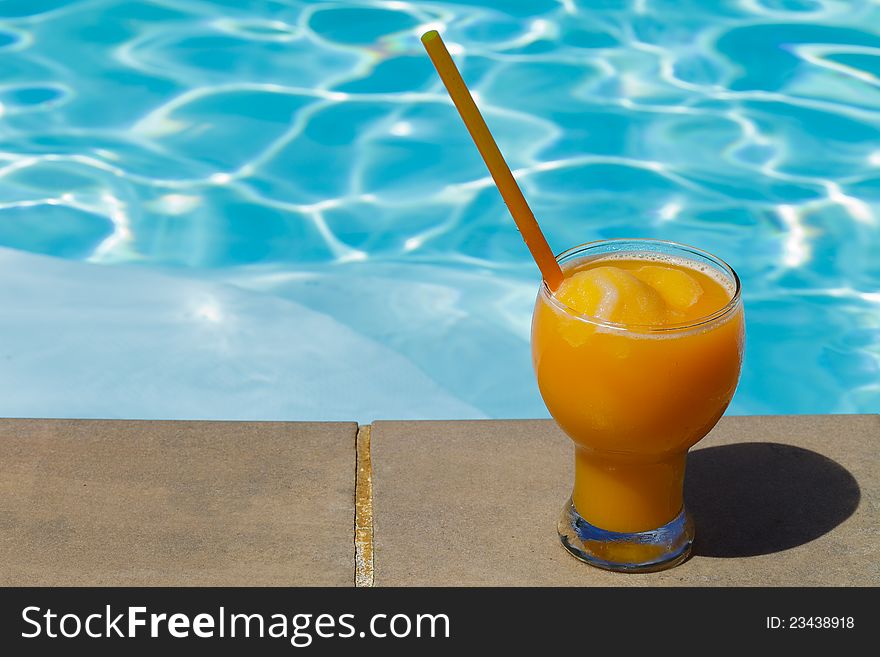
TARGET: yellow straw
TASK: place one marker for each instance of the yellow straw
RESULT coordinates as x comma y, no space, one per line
510,191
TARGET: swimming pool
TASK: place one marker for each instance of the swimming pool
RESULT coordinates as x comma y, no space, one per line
270,210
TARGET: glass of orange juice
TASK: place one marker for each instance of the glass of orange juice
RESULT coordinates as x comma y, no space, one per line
637,355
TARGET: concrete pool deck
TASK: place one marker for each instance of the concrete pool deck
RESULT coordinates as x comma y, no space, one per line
789,500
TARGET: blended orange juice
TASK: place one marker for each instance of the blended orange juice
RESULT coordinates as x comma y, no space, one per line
635,369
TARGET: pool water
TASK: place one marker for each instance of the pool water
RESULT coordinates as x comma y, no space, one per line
270,210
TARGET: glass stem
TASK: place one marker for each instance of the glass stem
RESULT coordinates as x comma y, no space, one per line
620,494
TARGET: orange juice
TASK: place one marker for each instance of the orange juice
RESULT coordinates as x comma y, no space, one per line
637,355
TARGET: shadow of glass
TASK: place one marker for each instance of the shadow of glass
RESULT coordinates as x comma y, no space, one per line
757,498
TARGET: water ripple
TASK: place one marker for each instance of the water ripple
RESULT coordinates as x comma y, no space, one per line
307,150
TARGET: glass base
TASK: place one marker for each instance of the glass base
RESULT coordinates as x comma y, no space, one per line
637,552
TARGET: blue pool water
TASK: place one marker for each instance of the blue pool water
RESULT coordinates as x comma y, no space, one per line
267,209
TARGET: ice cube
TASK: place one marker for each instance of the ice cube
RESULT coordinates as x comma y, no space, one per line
679,290
613,294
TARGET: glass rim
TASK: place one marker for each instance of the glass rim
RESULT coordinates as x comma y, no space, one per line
714,316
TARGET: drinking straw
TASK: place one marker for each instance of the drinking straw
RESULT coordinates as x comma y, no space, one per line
504,180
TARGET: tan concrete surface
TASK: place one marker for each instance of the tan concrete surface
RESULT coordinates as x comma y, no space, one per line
176,503
776,500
